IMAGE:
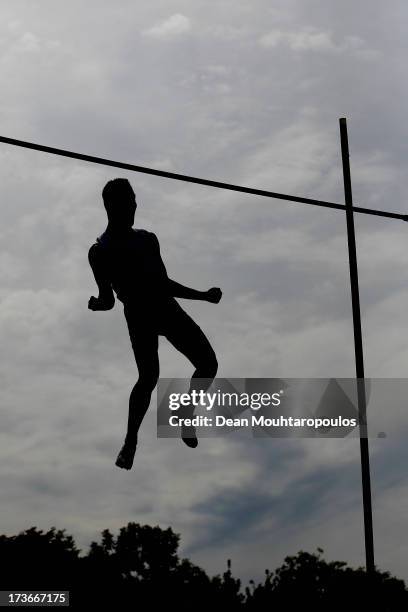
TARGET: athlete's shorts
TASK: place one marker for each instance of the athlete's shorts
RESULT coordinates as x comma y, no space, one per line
146,324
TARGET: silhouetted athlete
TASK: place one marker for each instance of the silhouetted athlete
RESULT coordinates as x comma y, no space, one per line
127,261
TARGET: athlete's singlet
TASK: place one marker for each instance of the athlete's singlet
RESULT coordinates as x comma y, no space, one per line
134,266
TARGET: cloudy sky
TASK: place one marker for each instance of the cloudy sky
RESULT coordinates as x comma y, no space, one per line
246,92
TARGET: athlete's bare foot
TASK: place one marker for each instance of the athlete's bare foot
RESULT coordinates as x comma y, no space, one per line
125,457
188,435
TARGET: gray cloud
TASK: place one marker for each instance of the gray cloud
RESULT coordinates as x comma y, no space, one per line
173,26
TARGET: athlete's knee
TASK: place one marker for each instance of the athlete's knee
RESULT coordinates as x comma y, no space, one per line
208,365
147,383
148,379
213,365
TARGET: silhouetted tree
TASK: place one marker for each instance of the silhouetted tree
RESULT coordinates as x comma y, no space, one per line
37,560
227,590
140,568
307,579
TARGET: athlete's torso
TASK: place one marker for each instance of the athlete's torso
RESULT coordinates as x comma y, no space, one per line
135,267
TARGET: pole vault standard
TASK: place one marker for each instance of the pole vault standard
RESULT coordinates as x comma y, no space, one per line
355,298
358,350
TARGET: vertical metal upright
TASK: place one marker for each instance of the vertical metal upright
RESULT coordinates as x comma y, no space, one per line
358,349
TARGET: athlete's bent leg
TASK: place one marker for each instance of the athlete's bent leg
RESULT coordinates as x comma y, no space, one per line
188,338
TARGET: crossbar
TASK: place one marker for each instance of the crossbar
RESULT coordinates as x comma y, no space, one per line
199,181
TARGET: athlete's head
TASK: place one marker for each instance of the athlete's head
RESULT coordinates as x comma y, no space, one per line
120,202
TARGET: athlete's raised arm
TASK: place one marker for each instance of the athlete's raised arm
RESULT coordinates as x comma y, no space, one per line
178,290
106,298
